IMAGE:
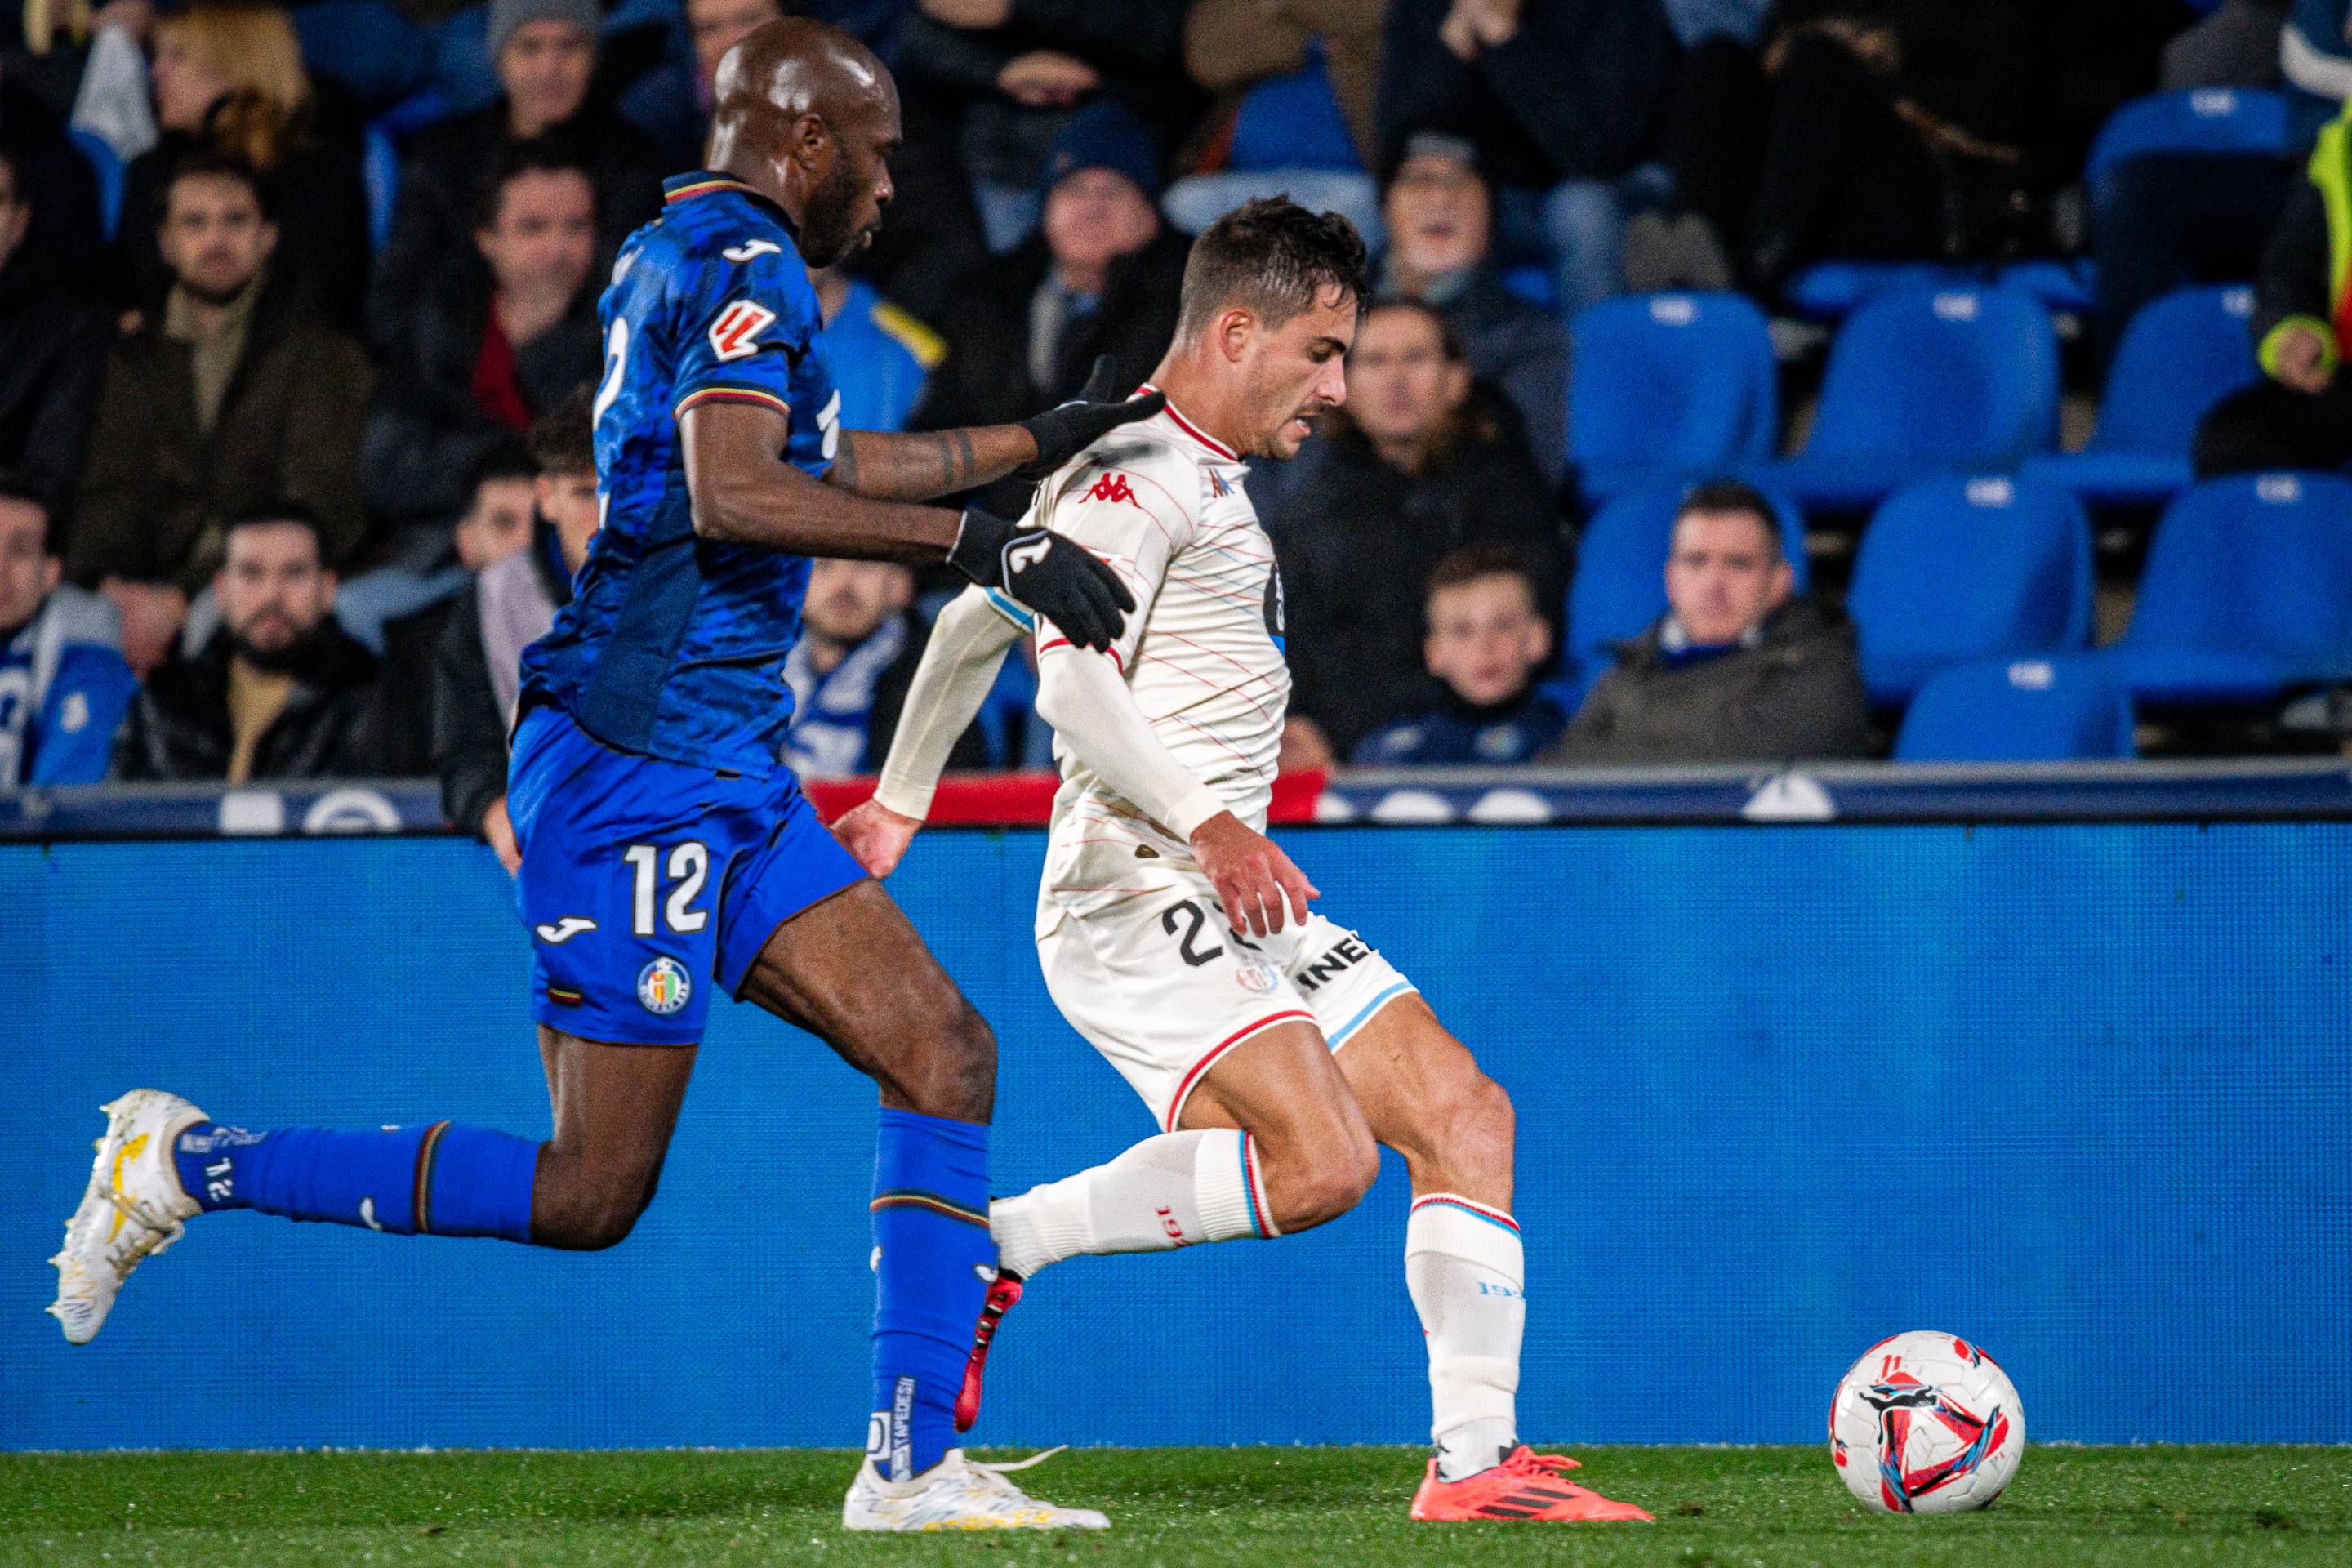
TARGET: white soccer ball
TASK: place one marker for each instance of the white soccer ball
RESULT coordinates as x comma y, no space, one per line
1925,1422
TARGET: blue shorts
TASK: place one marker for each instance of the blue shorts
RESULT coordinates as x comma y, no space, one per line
646,884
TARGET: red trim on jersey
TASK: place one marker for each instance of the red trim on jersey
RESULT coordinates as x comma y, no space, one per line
704,188
1194,431
1064,642
1184,1090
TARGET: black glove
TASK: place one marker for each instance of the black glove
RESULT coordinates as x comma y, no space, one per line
1061,581
1063,432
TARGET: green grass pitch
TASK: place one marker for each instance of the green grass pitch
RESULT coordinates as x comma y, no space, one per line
1727,1507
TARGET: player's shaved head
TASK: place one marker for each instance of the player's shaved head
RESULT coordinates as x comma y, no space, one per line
808,117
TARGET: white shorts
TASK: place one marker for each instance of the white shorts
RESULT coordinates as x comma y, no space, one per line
1161,985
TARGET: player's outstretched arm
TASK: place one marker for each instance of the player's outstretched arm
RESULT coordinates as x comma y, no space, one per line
742,494
942,462
968,645
1093,713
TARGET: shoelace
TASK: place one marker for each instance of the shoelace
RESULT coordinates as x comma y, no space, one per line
1006,1467
1526,1461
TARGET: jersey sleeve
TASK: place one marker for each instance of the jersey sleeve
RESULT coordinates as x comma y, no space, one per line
747,333
1135,507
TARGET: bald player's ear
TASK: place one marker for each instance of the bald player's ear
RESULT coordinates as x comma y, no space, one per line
811,144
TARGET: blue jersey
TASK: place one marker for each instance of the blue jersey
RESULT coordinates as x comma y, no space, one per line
673,646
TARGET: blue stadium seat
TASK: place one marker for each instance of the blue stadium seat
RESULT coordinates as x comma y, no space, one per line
1670,387
107,165
380,171
1957,569
2179,356
1620,576
1294,123
1923,382
1833,291
2210,119
2247,591
2018,710
2063,288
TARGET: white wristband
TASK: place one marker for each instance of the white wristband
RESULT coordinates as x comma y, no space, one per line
1184,817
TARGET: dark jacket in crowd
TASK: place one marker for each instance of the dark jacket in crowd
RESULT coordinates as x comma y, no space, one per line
1796,693
1136,45
316,199
180,728
1356,539
157,488
427,430
442,179
1575,94
1519,351
1454,733
54,339
442,710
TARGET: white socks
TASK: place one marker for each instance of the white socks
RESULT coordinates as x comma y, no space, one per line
1465,1271
1174,1190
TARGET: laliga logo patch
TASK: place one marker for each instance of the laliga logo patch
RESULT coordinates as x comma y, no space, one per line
1255,977
663,987
736,333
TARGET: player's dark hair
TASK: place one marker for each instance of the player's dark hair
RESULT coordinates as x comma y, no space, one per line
531,156
564,439
18,486
1473,562
212,164
505,459
1731,496
1449,341
278,514
1273,257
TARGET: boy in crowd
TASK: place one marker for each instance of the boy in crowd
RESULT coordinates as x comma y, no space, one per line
1487,638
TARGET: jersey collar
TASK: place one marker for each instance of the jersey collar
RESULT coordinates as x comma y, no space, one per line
1194,431
708,183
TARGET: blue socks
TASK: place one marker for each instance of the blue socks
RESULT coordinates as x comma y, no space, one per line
932,1260
439,1180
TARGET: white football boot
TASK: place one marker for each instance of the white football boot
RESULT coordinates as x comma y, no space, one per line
957,1493
134,1208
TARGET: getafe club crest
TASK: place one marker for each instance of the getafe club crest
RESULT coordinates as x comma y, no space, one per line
663,987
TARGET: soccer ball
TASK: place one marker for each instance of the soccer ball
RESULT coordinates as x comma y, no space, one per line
1925,1422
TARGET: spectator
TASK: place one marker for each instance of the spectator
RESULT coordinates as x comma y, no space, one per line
229,78
1013,75
279,691
1440,219
1100,278
1487,639
881,356
545,52
850,670
1231,45
2299,416
1415,467
2236,45
53,342
453,673
1561,99
481,360
227,397
2315,58
715,27
63,685
55,180
1737,670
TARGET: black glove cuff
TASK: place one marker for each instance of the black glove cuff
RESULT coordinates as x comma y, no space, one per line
979,549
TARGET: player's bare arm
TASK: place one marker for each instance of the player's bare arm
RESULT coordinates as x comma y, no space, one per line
942,462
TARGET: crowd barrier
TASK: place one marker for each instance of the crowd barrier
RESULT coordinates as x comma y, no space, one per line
2077,1090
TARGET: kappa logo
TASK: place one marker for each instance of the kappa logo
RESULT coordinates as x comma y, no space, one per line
1113,487
736,333
751,249
564,930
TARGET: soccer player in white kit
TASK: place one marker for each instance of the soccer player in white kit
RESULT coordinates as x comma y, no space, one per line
1275,1047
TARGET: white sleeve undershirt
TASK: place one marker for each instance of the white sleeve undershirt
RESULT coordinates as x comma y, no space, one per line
1093,713
959,667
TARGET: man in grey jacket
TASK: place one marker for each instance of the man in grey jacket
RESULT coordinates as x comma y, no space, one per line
1740,670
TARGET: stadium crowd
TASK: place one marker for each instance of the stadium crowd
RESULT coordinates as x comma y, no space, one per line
299,338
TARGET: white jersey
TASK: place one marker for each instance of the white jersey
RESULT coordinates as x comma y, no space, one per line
1164,505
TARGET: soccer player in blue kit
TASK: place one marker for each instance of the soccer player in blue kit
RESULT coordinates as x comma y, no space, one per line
666,851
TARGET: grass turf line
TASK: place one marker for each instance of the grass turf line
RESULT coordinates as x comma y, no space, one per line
1718,1507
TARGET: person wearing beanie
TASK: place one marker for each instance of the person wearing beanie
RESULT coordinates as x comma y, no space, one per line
544,52
1101,276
